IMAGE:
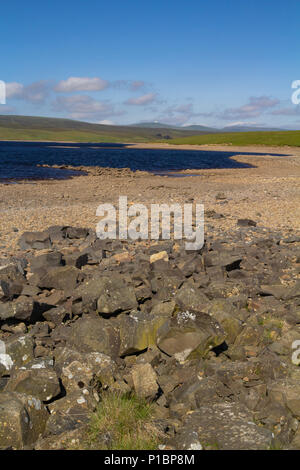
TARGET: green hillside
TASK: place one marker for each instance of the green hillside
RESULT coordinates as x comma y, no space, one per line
280,138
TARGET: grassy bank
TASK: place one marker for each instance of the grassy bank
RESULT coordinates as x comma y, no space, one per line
291,138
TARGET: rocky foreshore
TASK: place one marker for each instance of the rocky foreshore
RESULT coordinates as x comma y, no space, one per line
207,336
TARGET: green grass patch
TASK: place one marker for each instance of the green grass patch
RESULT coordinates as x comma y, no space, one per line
290,138
127,421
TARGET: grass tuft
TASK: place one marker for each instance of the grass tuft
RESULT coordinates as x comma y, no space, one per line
122,422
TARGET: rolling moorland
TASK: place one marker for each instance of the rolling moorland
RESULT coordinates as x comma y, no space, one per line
29,128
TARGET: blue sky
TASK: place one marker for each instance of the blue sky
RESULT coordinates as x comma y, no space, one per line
195,62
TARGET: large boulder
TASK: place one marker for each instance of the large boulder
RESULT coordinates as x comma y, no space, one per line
189,334
108,294
65,278
50,259
95,334
34,240
80,370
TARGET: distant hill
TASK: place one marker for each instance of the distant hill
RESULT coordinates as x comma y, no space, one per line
55,129
153,125
205,129
67,130
249,129
160,125
195,127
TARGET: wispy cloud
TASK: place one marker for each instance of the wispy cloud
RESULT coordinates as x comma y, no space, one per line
255,107
178,114
85,107
143,100
81,84
293,111
137,85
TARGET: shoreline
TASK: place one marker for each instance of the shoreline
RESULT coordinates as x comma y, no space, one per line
268,192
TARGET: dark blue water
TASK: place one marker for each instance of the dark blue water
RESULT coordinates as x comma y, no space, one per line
19,160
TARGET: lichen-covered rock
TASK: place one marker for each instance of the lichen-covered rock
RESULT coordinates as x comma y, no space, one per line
37,379
138,331
227,426
20,349
223,313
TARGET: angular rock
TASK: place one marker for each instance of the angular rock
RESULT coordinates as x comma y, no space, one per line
23,309
65,278
162,255
47,260
95,334
190,334
34,240
190,297
227,426
77,232
138,331
145,381
20,349
22,420
246,223
56,315
35,380
70,412
116,298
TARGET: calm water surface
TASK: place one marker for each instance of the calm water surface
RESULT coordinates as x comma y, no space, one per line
19,160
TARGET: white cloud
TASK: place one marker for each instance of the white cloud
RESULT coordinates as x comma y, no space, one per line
35,93
81,84
143,100
14,90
